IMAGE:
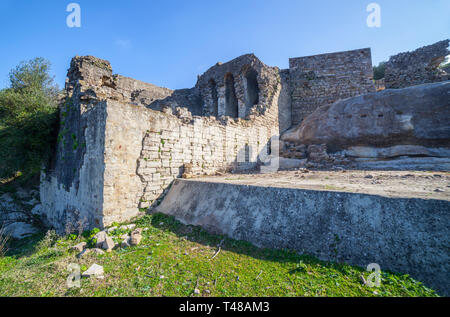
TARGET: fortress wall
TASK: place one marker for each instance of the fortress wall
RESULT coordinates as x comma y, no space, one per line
417,67
323,79
115,155
146,150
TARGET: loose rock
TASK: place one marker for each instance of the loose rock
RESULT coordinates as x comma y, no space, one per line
79,247
136,237
108,244
94,271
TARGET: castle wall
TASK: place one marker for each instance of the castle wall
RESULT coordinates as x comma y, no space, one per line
146,150
323,79
115,155
417,67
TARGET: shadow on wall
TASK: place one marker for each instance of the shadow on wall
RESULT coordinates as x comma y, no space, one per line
198,235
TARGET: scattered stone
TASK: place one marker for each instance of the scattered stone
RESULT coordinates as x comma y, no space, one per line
128,227
124,236
196,291
368,176
79,247
111,230
438,190
94,271
100,237
20,230
136,237
126,242
84,253
98,251
108,244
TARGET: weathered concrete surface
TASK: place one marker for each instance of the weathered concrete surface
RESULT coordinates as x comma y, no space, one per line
407,235
418,115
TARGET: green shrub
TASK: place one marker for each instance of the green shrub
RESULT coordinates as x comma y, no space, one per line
28,119
378,71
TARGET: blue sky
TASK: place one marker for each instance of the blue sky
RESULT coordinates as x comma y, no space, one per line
170,42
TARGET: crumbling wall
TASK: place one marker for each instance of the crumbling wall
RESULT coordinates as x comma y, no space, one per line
244,83
116,154
418,67
320,80
141,162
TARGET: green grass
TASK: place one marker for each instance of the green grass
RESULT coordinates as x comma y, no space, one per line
174,260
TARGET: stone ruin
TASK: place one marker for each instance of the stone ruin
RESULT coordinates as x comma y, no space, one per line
122,142
418,67
125,145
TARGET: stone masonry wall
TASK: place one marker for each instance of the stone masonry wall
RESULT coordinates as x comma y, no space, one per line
323,79
116,155
141,162
418,67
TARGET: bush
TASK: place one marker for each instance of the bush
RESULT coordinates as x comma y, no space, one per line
28,119
378,71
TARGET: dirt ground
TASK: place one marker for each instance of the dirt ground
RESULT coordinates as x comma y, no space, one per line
408,184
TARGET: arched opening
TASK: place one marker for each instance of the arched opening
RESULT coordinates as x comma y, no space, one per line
231,102
214,107
251,88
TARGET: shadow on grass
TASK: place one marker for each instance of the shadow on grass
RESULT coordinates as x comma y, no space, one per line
198,235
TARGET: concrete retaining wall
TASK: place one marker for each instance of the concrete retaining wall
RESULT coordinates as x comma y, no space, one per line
404,235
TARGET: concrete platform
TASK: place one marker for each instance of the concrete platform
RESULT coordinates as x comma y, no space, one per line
401,223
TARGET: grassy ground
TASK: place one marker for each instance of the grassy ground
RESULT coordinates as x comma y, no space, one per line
174,260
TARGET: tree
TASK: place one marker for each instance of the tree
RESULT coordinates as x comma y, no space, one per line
28,118
378,71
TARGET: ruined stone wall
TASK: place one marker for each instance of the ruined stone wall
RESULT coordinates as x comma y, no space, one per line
244,83
115,154
141,162
418,67
323,79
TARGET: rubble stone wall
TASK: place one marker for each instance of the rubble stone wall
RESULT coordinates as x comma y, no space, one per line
418,67
115,154
320,80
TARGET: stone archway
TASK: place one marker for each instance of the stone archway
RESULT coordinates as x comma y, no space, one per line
231,102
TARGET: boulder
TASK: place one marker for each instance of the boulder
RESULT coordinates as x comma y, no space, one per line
83,253
98,251
79,247
94,271
128,227
108,244
100,237
20,230
126,242
417,115
136,237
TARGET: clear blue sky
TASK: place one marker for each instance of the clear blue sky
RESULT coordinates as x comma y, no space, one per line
170,42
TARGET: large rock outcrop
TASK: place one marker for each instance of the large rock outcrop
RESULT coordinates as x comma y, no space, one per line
418,115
